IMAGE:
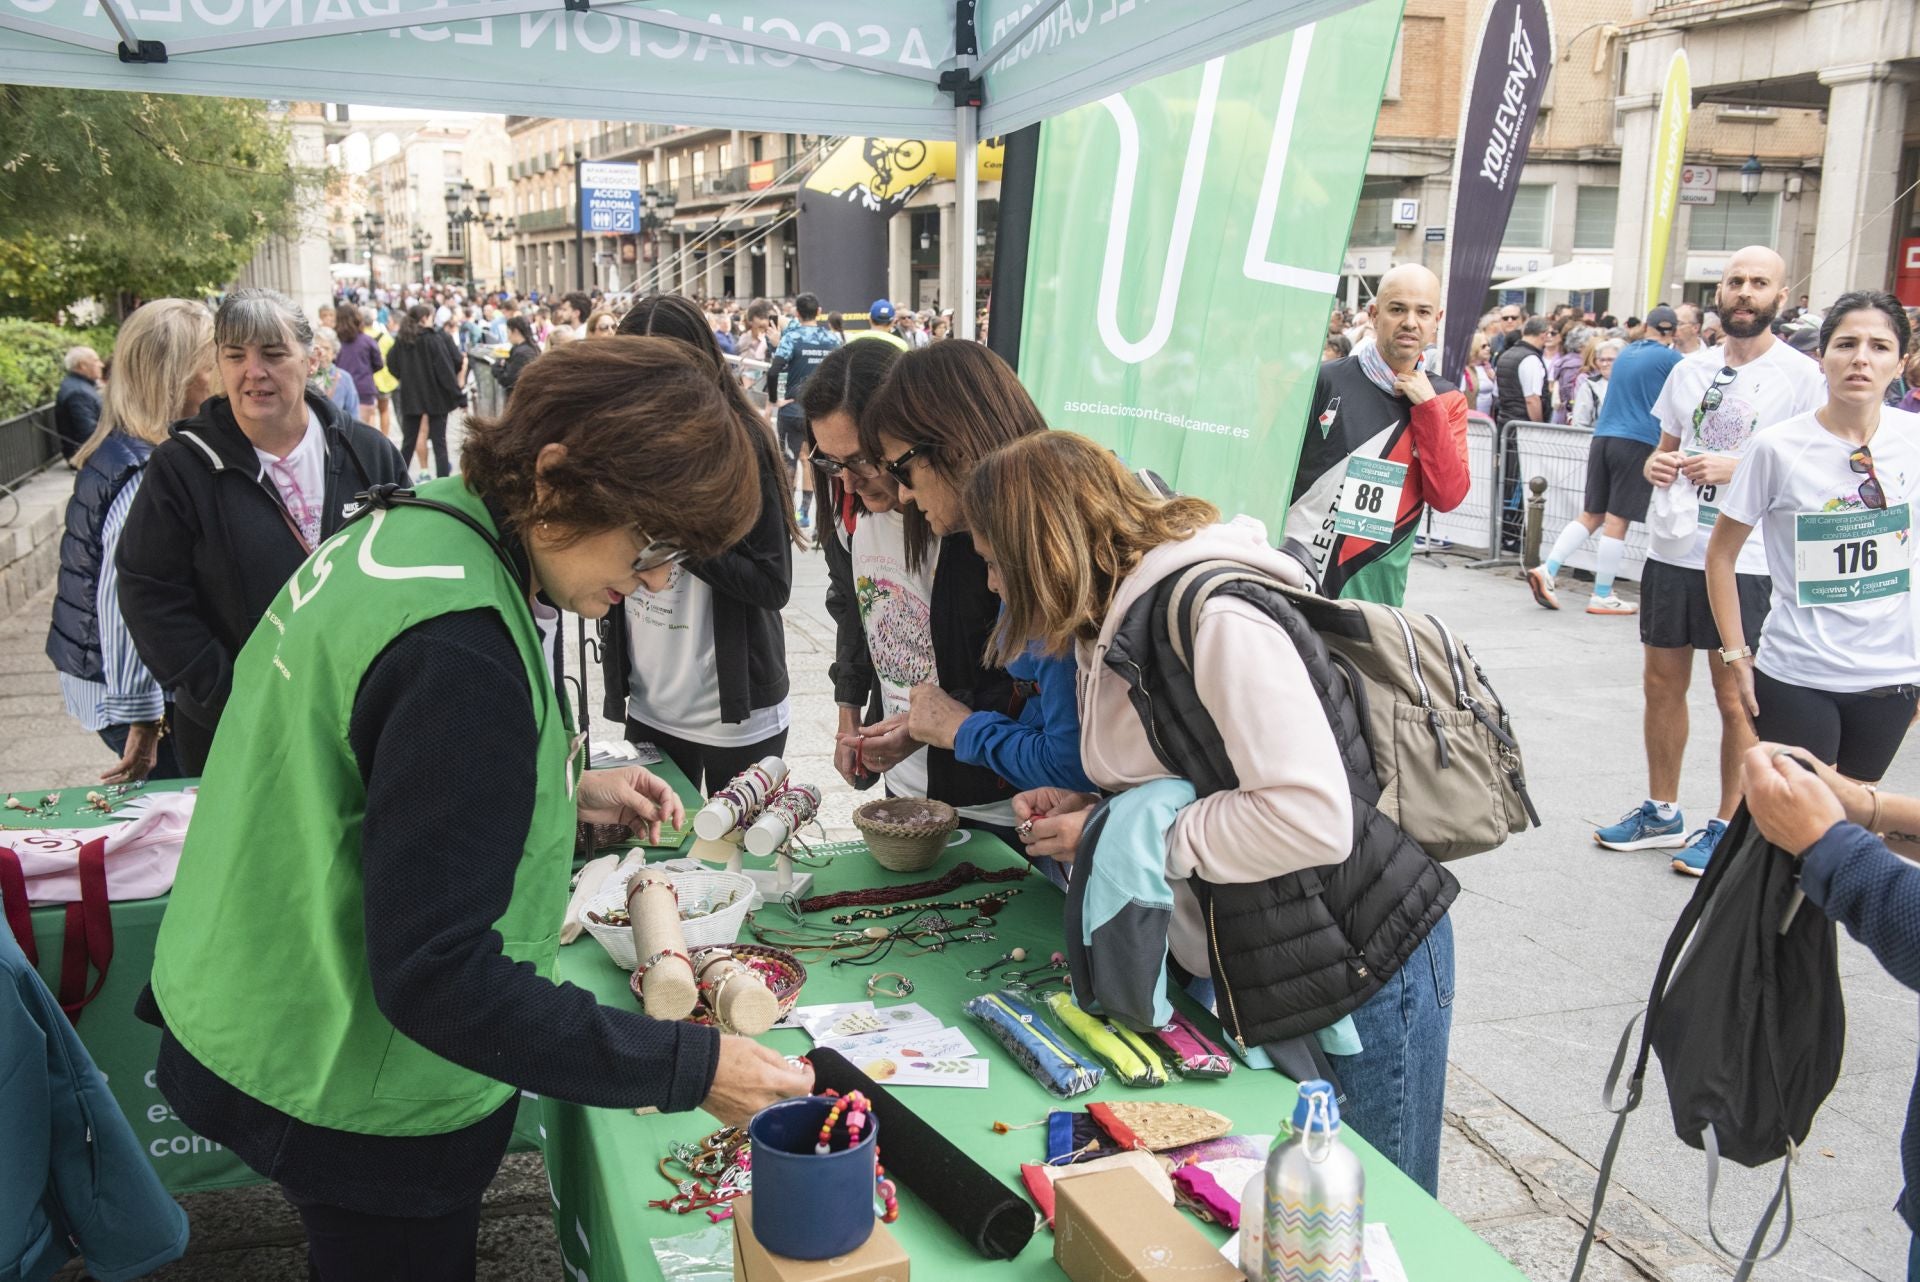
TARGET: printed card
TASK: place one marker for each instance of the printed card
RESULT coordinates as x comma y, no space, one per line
891,1070
928,1043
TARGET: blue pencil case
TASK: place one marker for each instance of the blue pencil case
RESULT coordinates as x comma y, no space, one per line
1039,1047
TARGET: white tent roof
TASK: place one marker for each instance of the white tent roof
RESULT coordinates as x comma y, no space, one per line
1577,276
829,66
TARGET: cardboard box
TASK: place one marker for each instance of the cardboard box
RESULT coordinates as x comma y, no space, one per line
879,1259
1113,1227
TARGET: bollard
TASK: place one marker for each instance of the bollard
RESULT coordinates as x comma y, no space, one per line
1536,521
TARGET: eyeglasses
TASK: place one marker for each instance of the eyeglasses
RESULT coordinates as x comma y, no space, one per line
656,553
1716,391
1861,460
898,469
859,465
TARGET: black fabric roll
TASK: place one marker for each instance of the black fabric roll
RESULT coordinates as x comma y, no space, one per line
982,1209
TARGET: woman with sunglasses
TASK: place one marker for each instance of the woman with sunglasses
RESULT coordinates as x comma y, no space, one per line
1831,492
386,827
695,662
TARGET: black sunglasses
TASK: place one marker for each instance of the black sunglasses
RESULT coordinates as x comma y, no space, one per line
898,469
1861,460
1716,391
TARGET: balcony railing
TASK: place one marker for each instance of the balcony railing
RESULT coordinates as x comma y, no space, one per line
726,183
544,219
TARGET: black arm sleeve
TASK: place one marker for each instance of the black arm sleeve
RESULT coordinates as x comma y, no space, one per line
758,570
443,729
852,668
775,368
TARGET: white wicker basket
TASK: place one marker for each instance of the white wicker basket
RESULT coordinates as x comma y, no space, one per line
722,927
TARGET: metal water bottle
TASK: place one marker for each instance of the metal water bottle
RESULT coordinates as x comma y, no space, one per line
1316,1197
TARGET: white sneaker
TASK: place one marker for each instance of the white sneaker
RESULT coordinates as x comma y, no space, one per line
1542,584
1611,604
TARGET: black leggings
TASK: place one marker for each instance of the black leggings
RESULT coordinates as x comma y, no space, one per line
709,768
1857,733
436,433
351,1246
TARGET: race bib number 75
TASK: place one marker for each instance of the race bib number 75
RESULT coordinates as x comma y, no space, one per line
1844,558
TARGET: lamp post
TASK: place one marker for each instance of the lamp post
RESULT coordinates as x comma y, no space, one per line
579,220
421,242
1750,179
465,207
499,231
371,229
656,210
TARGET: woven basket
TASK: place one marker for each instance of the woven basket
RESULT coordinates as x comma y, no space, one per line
905,834
702,932
783,972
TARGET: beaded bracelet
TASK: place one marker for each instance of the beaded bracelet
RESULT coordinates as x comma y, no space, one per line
857,1110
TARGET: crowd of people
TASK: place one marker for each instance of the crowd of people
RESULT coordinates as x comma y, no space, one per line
226,597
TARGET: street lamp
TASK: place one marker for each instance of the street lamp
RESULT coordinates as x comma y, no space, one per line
500,231
464,208
1750,178
371,229
421,242
656,209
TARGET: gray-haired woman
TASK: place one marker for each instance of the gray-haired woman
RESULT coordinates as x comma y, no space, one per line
232,504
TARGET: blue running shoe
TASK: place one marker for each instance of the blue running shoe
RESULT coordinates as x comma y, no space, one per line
1692,861
1643,829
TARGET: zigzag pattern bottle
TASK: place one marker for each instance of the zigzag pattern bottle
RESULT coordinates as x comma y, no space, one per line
1316,1198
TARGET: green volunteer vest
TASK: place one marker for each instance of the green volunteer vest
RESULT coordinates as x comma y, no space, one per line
260,966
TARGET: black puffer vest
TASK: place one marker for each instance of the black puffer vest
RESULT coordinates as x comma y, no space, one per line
1294,953
73,642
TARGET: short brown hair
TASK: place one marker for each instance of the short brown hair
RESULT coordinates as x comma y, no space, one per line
652,443
1067,523
958,401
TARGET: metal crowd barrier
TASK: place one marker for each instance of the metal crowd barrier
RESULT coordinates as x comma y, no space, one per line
753,379
1489,524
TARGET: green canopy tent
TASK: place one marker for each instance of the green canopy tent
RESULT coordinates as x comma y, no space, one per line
930,69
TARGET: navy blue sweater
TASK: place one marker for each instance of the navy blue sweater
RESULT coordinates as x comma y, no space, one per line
1875,894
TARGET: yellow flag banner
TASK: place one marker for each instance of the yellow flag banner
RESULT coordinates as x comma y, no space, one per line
1669,150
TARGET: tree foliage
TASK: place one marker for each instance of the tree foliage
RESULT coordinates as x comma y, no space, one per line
107,194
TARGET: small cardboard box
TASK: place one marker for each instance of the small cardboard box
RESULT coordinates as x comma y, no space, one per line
879,1259
1113,1227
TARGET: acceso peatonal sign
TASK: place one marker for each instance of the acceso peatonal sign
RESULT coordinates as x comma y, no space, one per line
609,197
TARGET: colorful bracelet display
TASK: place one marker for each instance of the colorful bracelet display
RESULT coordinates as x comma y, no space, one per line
851,1112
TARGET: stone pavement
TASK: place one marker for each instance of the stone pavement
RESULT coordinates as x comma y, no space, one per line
1557,940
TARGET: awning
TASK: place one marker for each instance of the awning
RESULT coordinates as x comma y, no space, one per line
343,270
1578,276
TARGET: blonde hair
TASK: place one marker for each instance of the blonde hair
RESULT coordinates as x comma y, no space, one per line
1067,523
160,349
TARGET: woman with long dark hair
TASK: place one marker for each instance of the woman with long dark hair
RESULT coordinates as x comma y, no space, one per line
696,660
428,367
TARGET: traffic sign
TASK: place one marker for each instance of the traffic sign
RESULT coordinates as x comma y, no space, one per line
609,197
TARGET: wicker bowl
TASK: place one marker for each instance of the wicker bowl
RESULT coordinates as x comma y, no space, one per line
781,969
702,932
906,834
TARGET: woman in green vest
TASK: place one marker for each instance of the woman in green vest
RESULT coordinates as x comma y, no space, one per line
355,969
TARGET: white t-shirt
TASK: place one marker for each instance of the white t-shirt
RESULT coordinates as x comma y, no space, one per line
895,609
675,681
1799,469
301,478
1771,389
1532,374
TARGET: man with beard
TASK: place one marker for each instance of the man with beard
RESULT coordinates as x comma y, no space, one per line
1710,407
1385,440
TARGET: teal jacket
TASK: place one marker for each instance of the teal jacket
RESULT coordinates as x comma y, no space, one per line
73,1180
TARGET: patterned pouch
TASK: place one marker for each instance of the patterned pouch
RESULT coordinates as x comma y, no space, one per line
1189,1051
1037,1045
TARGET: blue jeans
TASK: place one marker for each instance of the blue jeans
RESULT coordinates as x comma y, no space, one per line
1397,1084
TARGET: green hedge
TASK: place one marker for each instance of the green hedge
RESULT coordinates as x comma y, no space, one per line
31,356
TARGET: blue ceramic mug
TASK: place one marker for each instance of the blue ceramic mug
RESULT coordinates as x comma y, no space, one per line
805,1206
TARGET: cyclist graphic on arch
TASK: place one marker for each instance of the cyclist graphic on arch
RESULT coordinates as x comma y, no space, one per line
908,154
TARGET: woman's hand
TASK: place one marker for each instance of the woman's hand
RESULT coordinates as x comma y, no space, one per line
846,746
749,1077
1743,682
143,750
630,795
1051,820
1793,806
886,743
934,717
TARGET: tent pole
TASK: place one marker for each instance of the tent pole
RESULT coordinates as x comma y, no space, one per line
966,178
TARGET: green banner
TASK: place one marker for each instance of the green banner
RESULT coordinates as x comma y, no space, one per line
1202,217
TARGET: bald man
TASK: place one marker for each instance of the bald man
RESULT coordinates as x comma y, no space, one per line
1385,439
1709,408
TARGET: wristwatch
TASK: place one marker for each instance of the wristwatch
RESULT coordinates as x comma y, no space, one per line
1731,657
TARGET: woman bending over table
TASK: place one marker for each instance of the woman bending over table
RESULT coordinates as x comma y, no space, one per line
355,968
1329,926
1838,669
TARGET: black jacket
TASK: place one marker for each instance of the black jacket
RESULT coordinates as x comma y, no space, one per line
518,359
1294,953
208,545
963,613
428,368
751,583
1509,401
76,412
73,639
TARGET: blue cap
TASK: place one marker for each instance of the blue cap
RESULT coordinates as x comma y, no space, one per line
881,312
1309,1094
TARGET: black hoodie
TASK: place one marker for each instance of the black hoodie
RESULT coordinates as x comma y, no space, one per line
208,544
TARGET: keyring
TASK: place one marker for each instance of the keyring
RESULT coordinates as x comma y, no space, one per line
1025,830
903,988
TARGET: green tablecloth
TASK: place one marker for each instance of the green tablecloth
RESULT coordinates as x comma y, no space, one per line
602,1163
126,1048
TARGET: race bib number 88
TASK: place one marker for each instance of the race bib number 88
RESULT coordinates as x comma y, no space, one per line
1844,558
1370,499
